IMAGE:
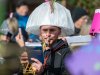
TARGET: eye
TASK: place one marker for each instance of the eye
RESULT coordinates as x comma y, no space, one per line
52,30
45,30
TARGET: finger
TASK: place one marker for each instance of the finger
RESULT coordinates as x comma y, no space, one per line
37,66
34,69
36,60
20,32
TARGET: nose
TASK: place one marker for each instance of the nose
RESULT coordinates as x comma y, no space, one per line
48,34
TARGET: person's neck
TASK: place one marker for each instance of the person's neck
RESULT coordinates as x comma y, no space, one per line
20,15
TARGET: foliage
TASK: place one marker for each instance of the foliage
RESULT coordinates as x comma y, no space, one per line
89,5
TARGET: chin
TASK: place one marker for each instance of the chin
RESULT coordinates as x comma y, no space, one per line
23,14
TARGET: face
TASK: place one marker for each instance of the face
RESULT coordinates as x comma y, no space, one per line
49,34
22,10
83,20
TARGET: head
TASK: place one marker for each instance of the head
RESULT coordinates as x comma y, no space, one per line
79,16
13,25
22,8
49,34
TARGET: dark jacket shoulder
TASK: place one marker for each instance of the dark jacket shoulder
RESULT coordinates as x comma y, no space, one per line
55,61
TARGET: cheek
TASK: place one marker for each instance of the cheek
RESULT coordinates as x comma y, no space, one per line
24,10
80,22
55,35
43,35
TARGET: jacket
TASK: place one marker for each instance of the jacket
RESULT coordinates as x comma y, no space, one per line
55,62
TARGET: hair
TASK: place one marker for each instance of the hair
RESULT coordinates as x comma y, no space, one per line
21,3
13,25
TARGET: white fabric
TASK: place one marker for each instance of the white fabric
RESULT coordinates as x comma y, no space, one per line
42,16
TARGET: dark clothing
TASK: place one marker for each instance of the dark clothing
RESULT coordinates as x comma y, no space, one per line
55,62
77,32
22,20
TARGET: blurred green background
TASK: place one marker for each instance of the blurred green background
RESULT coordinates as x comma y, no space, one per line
89,5
2,10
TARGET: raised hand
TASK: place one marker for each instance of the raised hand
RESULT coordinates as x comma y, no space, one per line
37,65
19,39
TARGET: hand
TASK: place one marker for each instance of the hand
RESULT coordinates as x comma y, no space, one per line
19,39
63,38
38,66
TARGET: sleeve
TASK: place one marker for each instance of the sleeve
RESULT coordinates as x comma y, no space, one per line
65,53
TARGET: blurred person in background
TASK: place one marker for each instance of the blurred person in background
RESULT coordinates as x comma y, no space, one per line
21,14
80,18
9,29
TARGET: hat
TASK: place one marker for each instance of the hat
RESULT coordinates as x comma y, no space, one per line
77,13
42,15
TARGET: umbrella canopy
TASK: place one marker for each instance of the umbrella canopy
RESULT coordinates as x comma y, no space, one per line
42,15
